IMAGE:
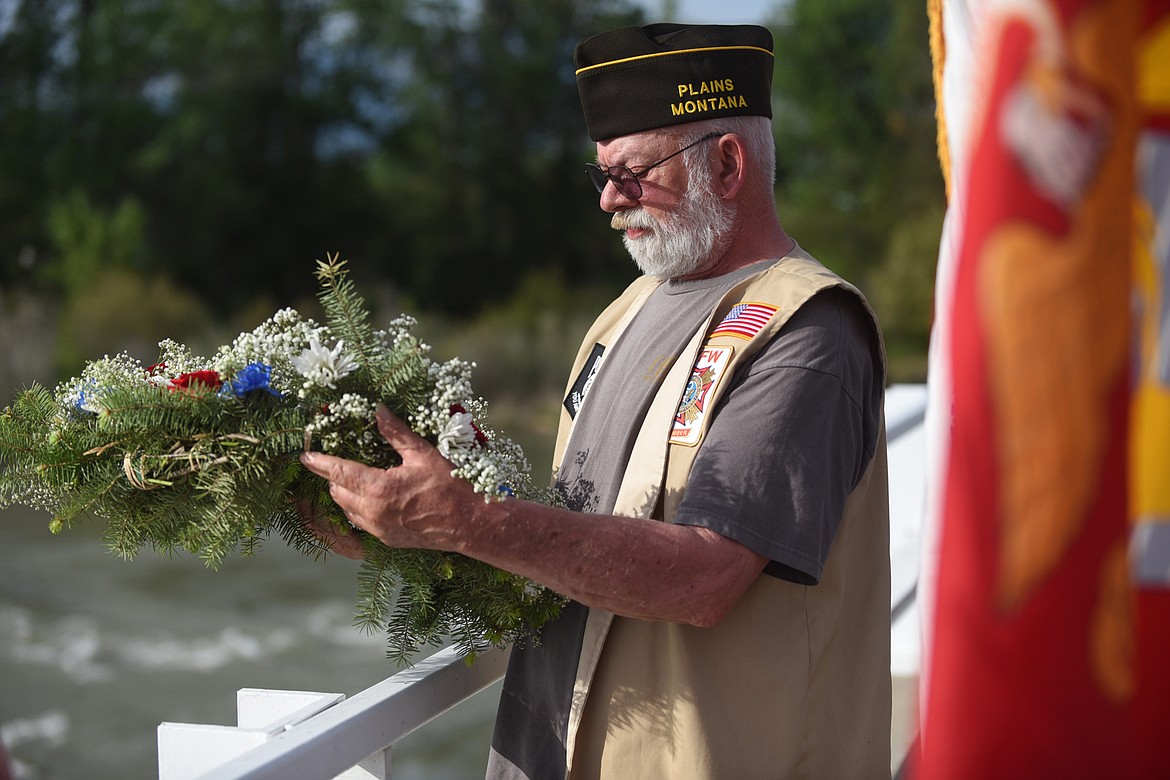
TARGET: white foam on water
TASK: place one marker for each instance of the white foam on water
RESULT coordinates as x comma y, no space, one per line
51,727
333,623
86,651
203,654
49,731
71,644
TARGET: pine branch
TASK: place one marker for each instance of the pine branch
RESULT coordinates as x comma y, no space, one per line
346,310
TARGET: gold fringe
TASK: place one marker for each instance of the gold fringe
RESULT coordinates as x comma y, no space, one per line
938,56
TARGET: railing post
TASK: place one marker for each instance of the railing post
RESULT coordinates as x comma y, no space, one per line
187,751
311,746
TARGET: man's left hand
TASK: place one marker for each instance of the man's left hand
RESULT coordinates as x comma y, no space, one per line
409,505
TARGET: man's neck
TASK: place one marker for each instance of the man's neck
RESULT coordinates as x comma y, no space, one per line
751,241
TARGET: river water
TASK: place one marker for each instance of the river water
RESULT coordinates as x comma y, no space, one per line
96,651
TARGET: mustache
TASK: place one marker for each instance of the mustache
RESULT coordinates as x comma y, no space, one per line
637,218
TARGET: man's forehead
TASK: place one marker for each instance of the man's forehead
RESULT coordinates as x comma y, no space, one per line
636,146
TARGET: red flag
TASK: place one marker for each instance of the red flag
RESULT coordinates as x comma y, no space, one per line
1038,650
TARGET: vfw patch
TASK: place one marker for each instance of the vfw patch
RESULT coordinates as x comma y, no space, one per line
696,400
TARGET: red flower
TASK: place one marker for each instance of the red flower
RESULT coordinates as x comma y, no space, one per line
207,378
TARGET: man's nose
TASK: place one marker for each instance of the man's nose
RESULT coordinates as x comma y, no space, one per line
612,201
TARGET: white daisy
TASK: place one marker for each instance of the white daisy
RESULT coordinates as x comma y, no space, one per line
324,366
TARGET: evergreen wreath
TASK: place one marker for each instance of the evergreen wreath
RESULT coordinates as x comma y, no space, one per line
200,455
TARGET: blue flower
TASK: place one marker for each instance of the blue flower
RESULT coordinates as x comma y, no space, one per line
84,400
254,376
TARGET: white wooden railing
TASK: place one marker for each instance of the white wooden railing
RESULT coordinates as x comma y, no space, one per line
294,735
300,735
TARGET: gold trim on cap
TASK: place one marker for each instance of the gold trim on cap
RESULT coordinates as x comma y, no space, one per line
669,53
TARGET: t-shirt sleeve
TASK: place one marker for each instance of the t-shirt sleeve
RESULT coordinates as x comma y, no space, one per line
791,438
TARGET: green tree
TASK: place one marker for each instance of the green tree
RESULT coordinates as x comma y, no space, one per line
32,123
437,143
245,185
88,240
855,130
108,304
484,172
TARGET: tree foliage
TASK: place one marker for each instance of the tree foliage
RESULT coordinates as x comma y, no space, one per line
274,130
488,157
438,143
855,133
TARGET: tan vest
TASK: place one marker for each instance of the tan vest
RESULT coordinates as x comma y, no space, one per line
794,681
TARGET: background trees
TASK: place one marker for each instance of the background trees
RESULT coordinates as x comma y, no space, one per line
172,169
859,180
421,139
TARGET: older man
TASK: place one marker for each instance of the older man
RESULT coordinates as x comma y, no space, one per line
722,454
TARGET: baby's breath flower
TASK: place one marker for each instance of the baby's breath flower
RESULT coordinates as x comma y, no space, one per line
174,359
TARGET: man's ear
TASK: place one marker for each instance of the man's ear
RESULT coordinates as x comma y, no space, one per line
730,167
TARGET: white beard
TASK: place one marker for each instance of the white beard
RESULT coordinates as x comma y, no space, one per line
684,241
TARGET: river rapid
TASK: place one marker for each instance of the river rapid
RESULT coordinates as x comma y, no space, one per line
96,651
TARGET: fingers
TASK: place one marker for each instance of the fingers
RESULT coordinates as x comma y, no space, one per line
348,545
396,432
344,478
346,473
331,468
401,505
334,539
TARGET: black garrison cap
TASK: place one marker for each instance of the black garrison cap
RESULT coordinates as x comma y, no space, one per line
641,78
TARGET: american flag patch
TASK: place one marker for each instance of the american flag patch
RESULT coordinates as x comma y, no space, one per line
745,320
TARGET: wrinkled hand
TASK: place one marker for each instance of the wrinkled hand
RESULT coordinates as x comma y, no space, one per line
335,540
411,505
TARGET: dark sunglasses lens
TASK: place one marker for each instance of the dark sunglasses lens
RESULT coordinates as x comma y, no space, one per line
626,182
622,177
597,175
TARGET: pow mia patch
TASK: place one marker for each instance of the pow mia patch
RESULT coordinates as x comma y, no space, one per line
696,401
584,381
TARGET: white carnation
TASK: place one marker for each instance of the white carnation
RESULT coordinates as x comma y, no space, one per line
457,435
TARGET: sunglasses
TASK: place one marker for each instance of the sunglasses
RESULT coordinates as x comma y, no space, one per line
626,181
